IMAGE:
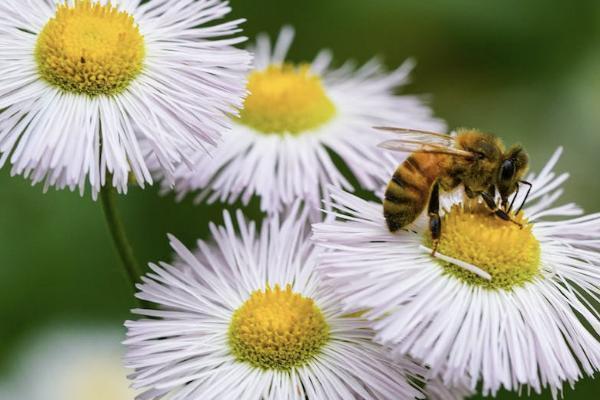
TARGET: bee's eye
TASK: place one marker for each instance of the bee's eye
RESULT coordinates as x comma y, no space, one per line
507,170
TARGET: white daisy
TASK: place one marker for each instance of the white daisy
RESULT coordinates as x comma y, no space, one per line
294,117
533,324
70,363
247,318
83,81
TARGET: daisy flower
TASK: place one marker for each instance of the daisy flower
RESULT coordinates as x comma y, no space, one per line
68,363
295,116
247,318
84,81
534,323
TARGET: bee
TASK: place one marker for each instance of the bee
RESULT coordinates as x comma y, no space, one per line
471,158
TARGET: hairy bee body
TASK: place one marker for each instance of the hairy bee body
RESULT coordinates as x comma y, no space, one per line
476,161
409,190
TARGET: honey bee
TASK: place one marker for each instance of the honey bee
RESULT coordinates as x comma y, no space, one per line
471,158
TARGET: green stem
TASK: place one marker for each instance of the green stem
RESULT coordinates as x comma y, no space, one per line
117,231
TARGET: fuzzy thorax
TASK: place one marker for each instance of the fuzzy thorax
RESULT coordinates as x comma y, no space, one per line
509,253
286,99
277,329
90,49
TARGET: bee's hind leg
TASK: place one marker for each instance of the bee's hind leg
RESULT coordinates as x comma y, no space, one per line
435,222
498,212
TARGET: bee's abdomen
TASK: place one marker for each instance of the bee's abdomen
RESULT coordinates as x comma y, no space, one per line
406,194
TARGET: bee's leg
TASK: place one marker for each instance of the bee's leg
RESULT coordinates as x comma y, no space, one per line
469,201
491,192
435,222
489,201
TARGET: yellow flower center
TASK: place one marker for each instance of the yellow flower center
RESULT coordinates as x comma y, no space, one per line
277,329
509,253
91,49
286,99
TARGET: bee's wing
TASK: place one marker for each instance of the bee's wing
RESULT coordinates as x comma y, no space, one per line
413,146
415,140
416,135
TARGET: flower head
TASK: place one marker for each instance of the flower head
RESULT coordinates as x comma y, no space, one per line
246,317
503,305
295,116
86,82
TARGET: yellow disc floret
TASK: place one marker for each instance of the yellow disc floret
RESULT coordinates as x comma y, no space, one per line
508,252
91,49
286,99
277,329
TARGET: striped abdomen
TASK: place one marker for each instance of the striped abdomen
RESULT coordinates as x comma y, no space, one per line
408,192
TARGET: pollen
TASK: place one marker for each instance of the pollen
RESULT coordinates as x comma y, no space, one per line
508,252
277,329
90,49
286,99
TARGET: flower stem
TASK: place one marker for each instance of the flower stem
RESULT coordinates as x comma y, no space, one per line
117,231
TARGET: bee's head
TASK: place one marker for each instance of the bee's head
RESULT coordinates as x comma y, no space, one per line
512,167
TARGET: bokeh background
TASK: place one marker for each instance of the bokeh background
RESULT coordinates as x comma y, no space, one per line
527,71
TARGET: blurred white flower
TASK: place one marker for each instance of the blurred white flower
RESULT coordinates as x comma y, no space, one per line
533,324
247,318
294,117
72,364
83,81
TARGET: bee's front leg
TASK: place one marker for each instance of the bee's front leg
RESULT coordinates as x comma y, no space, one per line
489,201
435,222
470,199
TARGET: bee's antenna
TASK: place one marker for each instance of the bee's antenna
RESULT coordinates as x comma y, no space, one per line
526,194
513,199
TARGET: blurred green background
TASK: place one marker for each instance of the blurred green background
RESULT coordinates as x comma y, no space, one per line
527,71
